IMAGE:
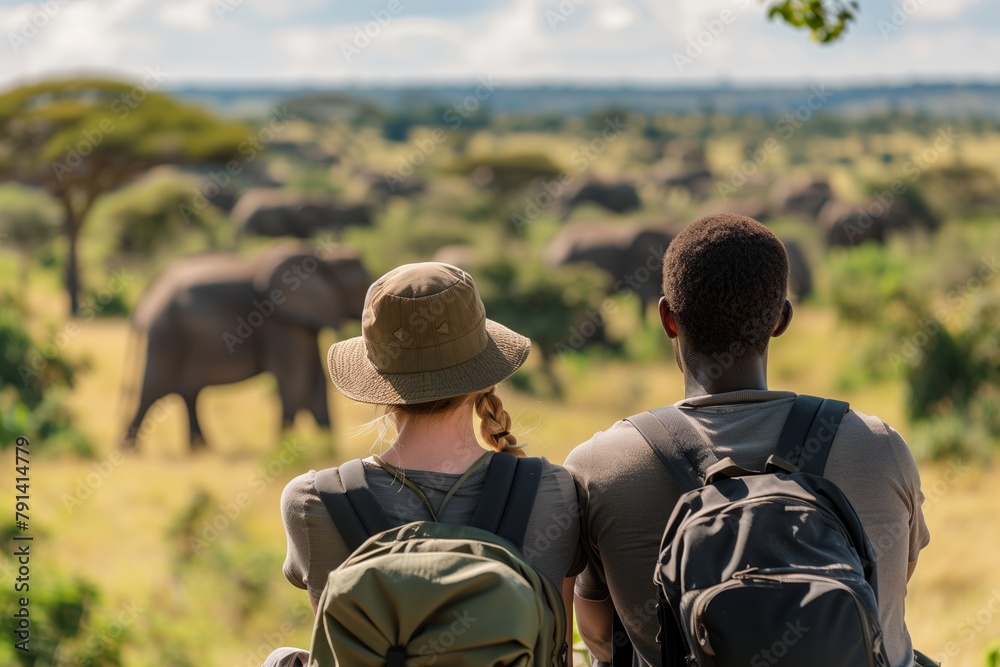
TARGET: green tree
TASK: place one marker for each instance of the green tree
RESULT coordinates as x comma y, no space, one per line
157,212
33,378
28,221
80,138
826,20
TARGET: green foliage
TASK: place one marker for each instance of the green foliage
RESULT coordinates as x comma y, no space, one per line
66,629
79,138
546,305
28,221
865,281
993,654
949,436
156,214
961,191
825,20
33,380
506,171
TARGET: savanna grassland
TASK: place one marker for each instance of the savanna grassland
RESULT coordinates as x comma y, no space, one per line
163,558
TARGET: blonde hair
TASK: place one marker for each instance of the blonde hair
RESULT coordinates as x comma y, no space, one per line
494,425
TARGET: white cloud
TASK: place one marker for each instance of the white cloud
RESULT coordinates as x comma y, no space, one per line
942,10
615,17
194,15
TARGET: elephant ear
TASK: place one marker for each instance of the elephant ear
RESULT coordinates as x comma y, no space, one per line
274,263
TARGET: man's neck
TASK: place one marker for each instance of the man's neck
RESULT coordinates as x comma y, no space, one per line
712,377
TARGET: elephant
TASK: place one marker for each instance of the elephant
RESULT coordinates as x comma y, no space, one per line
631,255
800,198
268,212
751,208
383,187
617,197
698,181
849,224
221,318
800,280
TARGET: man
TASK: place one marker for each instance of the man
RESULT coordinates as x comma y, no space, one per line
724,286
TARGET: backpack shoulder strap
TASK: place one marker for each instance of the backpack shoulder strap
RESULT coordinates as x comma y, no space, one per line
680,448
355,510
809,430
508,496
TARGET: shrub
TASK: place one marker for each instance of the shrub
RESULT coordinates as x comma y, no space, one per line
32,382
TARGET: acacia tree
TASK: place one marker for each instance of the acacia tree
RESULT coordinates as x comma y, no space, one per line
80,138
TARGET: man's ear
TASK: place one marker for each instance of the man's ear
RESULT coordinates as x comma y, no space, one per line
783,320
667,318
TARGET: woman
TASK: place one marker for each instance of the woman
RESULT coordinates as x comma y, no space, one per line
428,353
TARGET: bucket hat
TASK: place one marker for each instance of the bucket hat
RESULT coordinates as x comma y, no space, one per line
424,337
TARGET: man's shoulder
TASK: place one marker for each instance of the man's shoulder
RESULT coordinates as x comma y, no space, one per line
866,442
609,455
864,431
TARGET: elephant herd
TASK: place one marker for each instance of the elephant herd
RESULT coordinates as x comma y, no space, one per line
222,318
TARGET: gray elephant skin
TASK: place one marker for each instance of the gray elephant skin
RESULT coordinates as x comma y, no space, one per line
221,318
631,256
273,213
615,197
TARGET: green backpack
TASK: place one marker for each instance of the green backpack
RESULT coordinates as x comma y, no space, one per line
429,593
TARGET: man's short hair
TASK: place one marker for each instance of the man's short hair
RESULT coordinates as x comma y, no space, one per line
725,277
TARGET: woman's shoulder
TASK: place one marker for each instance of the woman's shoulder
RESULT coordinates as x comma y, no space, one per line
298,493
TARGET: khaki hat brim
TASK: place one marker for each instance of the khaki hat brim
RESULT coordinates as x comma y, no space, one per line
355,376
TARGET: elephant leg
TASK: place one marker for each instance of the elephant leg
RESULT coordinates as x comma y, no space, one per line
130,440
155,385
196,440
290,353
318,403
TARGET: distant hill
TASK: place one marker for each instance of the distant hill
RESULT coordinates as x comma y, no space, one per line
940,100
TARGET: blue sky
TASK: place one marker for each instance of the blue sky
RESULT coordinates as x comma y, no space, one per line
577,41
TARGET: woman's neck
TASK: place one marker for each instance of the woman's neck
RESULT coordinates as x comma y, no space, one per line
438,442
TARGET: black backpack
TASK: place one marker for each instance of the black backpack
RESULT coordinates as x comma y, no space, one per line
761,568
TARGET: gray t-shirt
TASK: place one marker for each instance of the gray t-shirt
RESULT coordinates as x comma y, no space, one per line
315,548
626,496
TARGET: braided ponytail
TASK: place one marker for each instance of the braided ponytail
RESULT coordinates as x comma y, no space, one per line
495,423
